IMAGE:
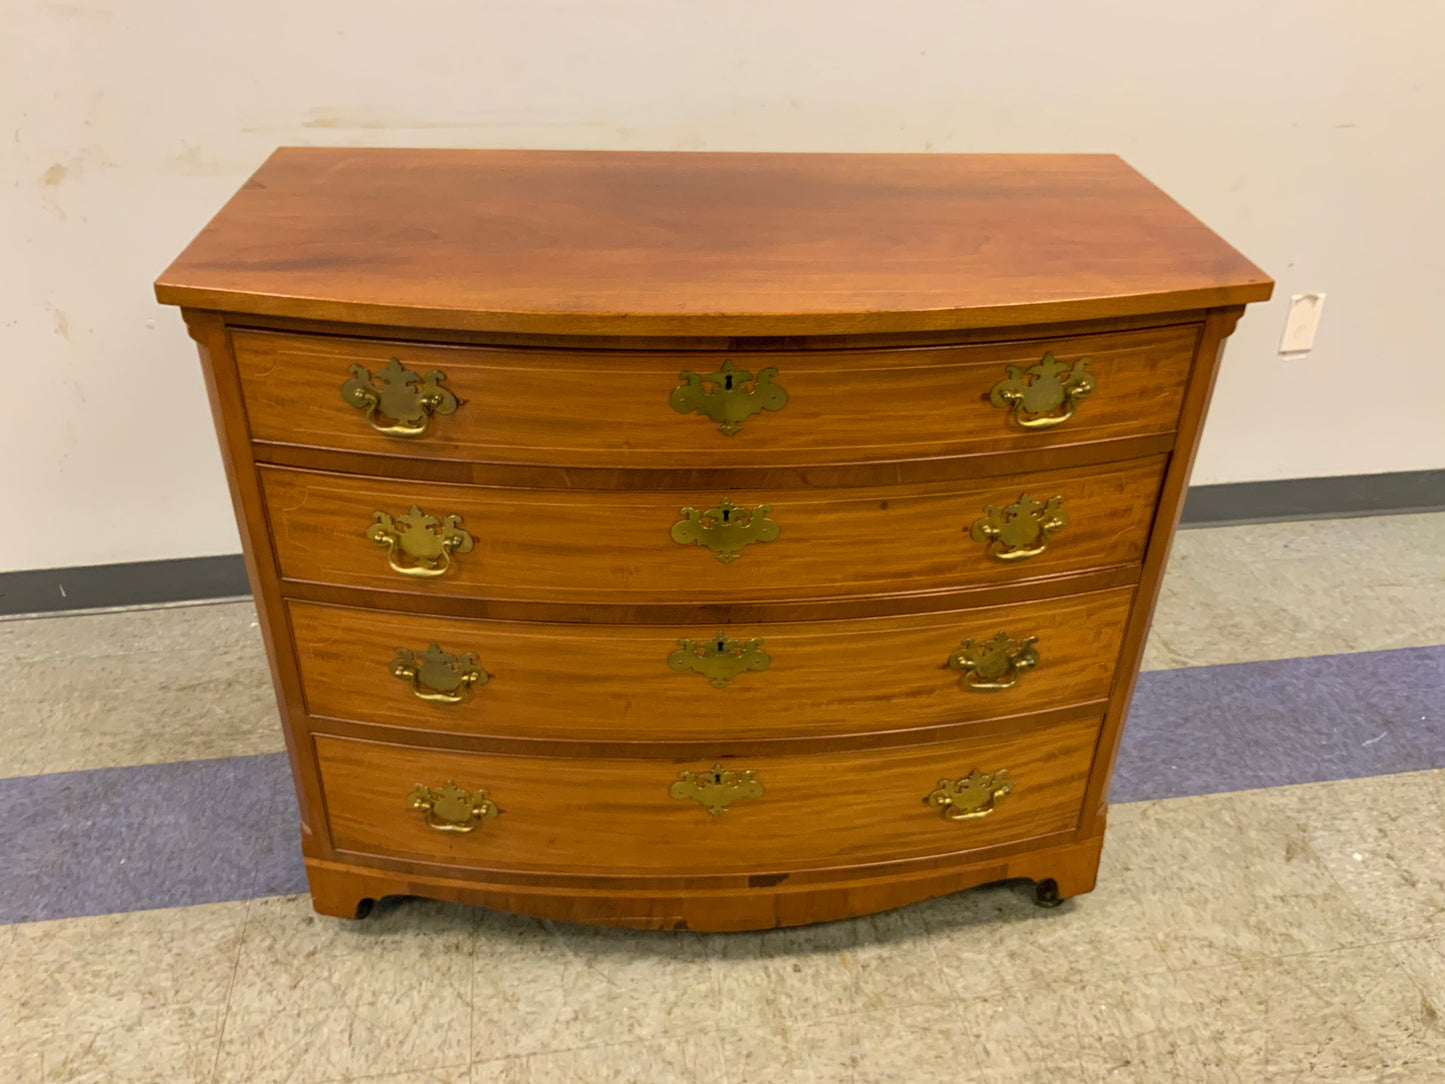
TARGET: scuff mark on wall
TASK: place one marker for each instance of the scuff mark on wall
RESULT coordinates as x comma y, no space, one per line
62,323
53,176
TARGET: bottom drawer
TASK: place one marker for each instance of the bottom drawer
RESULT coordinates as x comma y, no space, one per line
635,816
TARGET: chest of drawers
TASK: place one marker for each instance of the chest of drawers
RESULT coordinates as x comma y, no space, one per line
710,541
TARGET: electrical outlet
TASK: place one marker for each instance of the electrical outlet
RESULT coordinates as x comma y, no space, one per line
1301,324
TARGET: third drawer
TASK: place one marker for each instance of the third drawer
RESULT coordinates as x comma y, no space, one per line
516,679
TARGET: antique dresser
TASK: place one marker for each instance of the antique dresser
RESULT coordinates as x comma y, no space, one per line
710,541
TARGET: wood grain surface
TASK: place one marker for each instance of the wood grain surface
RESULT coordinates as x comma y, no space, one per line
594,409
594,242
613,682
616,816
538,545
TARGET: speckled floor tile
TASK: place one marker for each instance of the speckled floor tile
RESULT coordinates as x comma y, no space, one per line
816,972
132,997
1230,877
540,987
763,1054
144,707
1289,590
407,1033
1383,840
293,960
692,1059
1347,1015
1104,936
228,629
1140,1029
914,1042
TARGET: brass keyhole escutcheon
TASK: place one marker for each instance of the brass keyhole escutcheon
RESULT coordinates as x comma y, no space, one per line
1021,530
975,795
396,393
993,665
729,396
725,529
1045,394
450,808
417,544
438,675
719,659
717,788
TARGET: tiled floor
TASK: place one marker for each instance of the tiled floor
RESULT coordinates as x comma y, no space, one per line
1289,933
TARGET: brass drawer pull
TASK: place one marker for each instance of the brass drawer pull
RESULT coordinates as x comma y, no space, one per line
1048,399
449,808
989,665
1020,530
438,675
716,789
397,393
719,659
975,795
725,529
729,396
427,541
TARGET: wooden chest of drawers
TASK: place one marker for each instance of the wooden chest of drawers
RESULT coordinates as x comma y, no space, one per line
710,541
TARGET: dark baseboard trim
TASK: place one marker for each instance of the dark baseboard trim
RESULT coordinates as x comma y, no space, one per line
197,579
142,583
1314,498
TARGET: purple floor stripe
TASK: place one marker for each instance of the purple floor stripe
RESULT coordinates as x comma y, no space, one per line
157,835
169,835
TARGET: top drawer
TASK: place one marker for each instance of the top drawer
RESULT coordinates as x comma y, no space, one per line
616,408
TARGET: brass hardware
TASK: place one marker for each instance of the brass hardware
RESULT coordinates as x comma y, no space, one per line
716,789
719,659
448,808
397,393
994,664
725,529
1050,398
1020,530
438,675
416,535
725,397
975,795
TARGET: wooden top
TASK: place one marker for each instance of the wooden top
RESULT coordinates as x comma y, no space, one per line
653,243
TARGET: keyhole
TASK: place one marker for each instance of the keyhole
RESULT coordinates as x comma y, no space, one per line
720,645
717,777
728,382
726,514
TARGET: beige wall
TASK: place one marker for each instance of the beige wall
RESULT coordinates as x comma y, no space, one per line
1308,134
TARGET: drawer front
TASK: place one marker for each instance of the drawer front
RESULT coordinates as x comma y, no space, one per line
615,816
628,682
616,408
634,547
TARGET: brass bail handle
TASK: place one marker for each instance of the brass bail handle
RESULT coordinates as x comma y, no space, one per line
996,664
438,676
1022,529
1044,395
974,796
450,808
398,393
426,542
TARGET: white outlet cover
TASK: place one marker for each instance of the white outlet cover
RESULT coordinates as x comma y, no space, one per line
1301,324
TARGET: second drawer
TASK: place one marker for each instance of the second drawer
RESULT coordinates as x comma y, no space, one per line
640,682
707,547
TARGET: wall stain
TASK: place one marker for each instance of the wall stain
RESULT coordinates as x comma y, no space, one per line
53,176
62,324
